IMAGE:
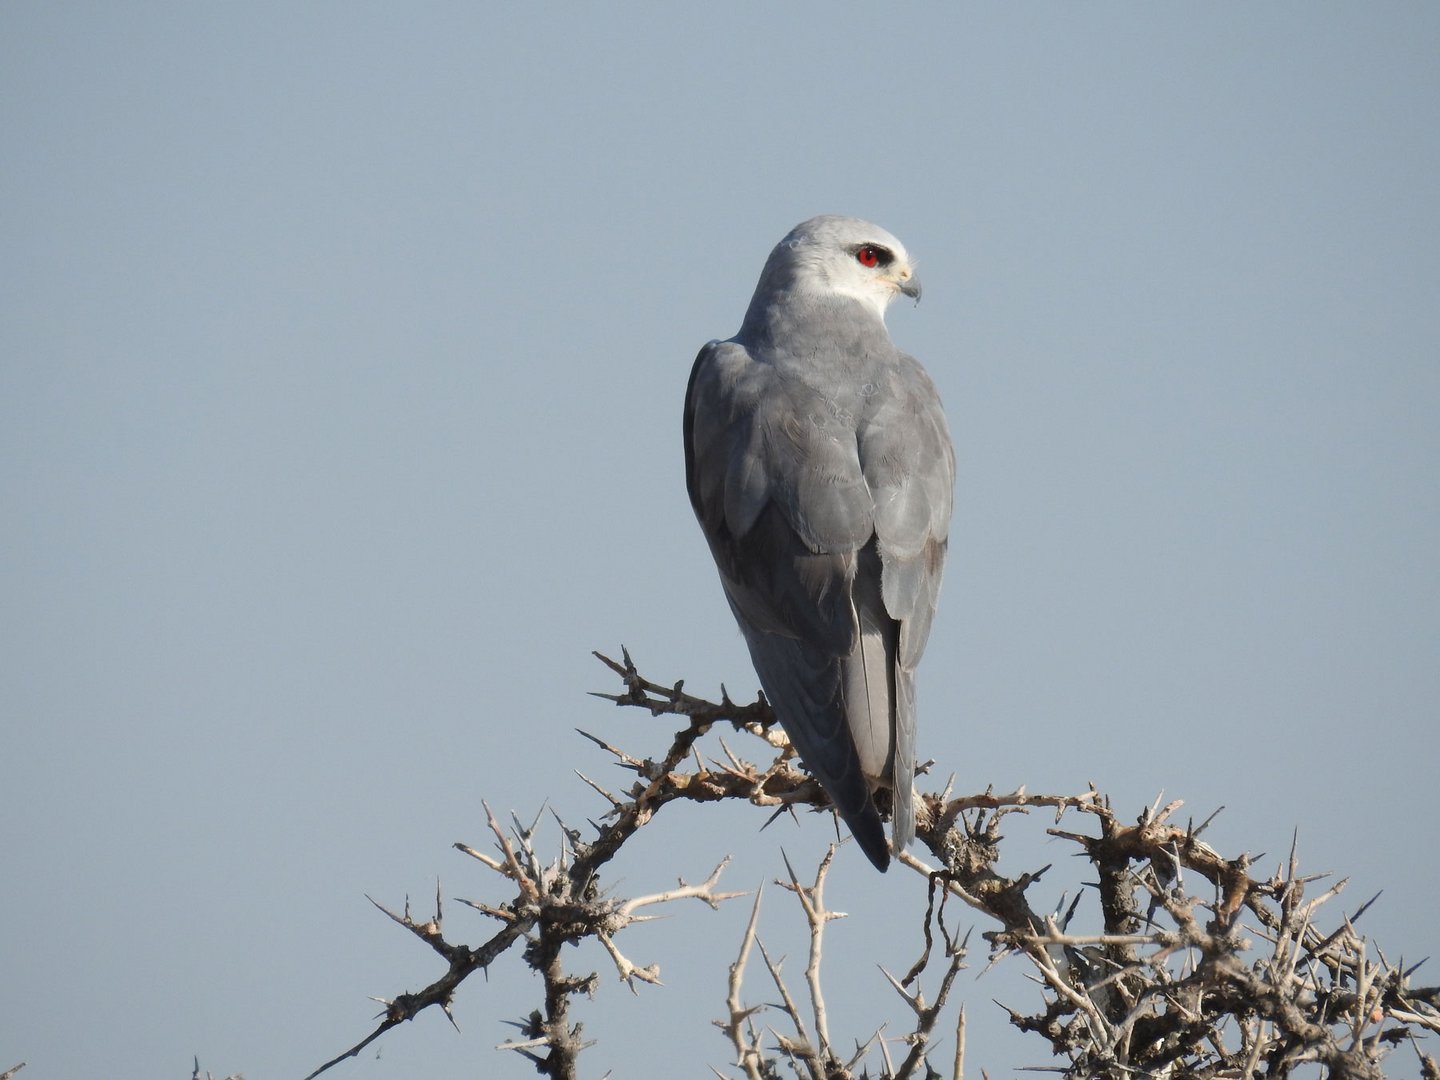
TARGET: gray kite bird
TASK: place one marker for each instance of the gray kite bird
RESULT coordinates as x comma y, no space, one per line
820,466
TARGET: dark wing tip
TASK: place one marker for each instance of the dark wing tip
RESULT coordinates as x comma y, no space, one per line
869,833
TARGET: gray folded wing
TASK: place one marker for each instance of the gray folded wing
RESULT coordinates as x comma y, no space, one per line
827,514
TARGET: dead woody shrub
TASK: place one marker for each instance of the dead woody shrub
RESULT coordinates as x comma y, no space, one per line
1196,968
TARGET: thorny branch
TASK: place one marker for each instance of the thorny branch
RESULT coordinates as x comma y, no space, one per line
814,1051
1239,983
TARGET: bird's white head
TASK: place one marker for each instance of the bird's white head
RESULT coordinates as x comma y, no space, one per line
833,255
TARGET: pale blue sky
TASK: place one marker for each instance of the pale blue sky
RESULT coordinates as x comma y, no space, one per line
342,350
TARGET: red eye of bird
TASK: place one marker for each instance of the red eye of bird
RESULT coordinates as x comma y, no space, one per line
868,256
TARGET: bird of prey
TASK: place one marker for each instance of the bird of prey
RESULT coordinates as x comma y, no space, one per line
819,463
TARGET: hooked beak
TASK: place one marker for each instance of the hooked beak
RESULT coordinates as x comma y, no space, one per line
911,287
